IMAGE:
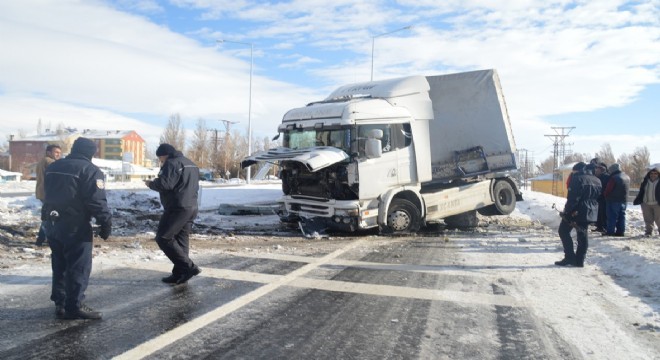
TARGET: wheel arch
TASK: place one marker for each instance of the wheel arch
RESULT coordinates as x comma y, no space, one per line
511,182
411,195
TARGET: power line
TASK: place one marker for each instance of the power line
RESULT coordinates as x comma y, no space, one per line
559,150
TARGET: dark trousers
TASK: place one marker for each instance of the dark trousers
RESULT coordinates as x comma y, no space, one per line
601,222
616,217
41,237
71,261
173,236
567,241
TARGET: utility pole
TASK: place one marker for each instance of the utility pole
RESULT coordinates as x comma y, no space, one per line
227,124
558,152
524,164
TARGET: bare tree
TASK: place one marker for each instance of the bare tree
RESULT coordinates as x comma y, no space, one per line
625,161
200,150
577,157
641,159
547,165
174,134
606,155
239,151
63,139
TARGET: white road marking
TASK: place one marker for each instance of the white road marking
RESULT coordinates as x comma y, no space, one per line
296,279
165,339
357,288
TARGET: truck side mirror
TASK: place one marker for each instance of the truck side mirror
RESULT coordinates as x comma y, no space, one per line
373,147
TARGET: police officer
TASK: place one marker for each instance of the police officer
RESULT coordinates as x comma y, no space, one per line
581,209
178,184
75,192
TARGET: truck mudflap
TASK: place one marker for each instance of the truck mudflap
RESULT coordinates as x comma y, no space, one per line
314,159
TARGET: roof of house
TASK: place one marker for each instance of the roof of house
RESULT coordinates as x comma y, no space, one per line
105,134
118,167
8,173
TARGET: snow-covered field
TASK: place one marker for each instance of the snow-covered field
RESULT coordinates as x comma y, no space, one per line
620,273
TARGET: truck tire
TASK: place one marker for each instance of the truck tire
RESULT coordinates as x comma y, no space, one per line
402,217
465,220
505,198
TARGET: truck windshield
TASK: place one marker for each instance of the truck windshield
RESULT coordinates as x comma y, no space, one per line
307,138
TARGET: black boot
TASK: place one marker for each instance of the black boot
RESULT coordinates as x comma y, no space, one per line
172,279
59,311
565,262
188,275
84,312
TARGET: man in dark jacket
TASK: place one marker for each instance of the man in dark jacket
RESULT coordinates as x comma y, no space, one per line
601,173
649,199
616,200
581,209
75,192
178,184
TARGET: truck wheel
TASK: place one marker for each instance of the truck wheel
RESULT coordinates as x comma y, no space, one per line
402,217
505,198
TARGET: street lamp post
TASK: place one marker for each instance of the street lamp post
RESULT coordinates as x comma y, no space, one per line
227,124
249,100
373,43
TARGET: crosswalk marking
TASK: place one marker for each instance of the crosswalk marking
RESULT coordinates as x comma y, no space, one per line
188,328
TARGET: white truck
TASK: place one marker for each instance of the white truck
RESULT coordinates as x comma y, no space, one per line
397,154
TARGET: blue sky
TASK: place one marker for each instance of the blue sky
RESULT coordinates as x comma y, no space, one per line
129,64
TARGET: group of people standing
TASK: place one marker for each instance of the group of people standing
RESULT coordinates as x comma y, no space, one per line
72,191
599,195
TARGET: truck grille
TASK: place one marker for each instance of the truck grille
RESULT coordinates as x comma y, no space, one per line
309,209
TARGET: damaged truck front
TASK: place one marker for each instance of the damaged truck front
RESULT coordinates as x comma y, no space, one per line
396,154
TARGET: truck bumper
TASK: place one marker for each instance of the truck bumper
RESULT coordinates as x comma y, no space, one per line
339,215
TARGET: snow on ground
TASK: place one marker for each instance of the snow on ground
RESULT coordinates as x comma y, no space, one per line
627,267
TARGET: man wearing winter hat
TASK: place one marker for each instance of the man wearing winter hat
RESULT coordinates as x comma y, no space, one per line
178,184
581,209
616,199
601,173
649,199
74,193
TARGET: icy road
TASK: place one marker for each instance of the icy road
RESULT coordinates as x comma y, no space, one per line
471,295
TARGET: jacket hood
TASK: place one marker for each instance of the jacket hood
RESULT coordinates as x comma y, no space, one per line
614,168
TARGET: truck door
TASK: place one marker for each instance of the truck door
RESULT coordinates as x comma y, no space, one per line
381,173
401,142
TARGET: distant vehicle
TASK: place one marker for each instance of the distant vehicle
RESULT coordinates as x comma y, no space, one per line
396,154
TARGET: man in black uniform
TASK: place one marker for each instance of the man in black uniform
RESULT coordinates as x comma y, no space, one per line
178,184
75,192
581,209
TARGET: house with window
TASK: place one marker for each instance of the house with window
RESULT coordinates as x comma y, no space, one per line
25,152
125,145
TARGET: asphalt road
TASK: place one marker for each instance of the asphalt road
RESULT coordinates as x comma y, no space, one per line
402,298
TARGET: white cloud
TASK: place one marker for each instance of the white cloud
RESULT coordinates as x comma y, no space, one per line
554,57
94,57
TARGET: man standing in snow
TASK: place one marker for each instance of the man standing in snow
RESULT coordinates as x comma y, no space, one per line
75,192
649,199
616,199
581,209
178,184
601,173
53,153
